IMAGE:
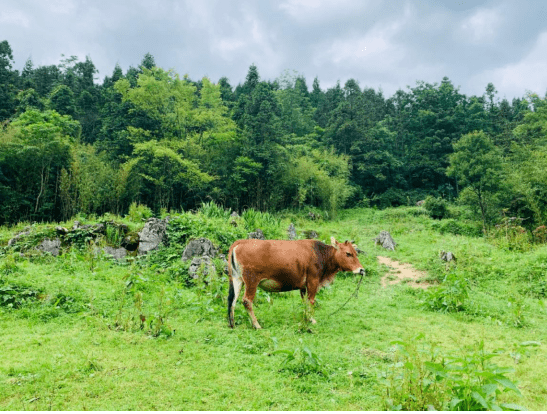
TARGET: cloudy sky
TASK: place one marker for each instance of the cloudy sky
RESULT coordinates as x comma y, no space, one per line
381,44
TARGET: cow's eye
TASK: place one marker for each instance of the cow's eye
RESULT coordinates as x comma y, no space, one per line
348,254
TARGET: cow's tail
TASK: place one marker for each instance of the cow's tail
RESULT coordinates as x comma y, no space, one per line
235,273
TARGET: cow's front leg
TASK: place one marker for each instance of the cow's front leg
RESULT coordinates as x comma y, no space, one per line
248,297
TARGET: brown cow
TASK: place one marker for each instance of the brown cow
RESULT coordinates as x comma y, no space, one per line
283,265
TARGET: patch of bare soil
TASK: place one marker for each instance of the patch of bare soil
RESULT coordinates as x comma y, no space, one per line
402,272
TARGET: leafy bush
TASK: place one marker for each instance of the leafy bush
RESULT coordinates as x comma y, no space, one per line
66,303
425,378
510,235
436,207
139,212
15,297
393,197
9,265
458,227
540,234
80,238
189,226
449,296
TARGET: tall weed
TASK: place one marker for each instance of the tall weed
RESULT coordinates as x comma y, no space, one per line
301,360
426,378
267,222
450,296
212,210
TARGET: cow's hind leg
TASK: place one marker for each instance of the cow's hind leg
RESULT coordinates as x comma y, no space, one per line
235,288
248,297
236,281
312,288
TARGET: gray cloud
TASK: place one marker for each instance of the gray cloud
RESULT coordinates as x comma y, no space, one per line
379,43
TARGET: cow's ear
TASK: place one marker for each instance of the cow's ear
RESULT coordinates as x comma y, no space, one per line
333,242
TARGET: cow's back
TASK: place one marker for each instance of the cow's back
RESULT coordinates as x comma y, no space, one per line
288,262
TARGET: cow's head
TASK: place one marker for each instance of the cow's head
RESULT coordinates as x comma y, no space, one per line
346,256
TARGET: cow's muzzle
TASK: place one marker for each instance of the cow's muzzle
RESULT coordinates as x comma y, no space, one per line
359,271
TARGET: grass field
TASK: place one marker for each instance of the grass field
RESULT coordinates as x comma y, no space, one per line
78,342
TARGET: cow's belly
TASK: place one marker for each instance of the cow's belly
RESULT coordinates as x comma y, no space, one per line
270,285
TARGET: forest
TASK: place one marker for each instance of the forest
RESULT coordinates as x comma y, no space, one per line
70,144
460,182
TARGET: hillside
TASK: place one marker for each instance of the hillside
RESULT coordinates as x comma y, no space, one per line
85,331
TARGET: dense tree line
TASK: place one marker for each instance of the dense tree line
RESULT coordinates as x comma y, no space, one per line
69,143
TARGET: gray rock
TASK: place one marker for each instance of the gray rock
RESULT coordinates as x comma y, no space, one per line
314,216
50,246
118,253
18,236
199,247
223,258
152,235
94,228
385,240
420,203
98,228
447,256
233,218
61,230
311,234
257,234
291,232
201,266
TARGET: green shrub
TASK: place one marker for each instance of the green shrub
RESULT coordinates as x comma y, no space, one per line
426,378
15,297
449,296
139,212
393,197
189,226
458,227
436,207
510,235
9,265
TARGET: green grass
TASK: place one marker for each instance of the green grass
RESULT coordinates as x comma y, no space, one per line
76,358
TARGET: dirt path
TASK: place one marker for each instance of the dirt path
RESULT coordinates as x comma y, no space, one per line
399,272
